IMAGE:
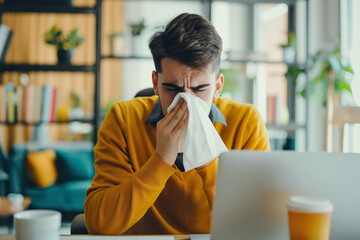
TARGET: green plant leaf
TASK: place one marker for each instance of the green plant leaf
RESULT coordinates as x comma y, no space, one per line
320,78
336,52
348,69
303,93
342,85
137,28
56,37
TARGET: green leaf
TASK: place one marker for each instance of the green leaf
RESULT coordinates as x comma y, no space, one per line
336,52
316,57
320,78
348,69
303,93
342,85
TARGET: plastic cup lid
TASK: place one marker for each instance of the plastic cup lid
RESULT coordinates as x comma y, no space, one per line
307,204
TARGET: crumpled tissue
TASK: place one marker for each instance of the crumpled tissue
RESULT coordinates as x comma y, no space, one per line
201,143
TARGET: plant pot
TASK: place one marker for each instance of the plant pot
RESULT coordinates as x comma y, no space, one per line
136,46
64,56
117,46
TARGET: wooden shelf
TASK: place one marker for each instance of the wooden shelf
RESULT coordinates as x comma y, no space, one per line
47,9
45,68
287,127
56,122
127,57
234,1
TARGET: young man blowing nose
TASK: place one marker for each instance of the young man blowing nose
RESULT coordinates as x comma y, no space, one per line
141,185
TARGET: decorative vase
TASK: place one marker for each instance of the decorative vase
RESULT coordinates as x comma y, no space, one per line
64,56
76,113
289,54
136,46
41,134
117,46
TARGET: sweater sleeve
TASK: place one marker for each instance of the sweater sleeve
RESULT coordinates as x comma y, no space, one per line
119,197
256,136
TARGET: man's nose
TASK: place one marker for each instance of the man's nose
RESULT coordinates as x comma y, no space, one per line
187,90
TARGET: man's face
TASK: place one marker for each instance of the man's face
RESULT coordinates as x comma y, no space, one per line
176,77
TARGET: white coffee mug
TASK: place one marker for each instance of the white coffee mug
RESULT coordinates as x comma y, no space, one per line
37,225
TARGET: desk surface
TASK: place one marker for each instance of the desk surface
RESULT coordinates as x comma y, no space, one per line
12,236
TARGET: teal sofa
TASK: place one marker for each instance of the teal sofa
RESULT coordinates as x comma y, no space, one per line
75,167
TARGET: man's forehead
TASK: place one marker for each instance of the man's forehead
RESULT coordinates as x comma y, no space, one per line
190,75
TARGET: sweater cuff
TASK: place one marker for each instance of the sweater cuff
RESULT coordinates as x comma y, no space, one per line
154,173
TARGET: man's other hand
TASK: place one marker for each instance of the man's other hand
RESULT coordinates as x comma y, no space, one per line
169,131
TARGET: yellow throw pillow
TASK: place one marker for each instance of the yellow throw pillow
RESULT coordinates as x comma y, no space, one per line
41,167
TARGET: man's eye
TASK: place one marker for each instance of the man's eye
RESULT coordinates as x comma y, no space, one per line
199,90
172,89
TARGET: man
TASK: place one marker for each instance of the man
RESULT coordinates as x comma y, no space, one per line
138,188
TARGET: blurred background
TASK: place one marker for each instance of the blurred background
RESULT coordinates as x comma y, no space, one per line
64,63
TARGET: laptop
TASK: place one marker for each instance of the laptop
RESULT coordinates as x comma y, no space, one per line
252,189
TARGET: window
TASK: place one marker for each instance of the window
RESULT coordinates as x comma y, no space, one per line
350,37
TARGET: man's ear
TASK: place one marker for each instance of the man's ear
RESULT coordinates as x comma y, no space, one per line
219,85
155,81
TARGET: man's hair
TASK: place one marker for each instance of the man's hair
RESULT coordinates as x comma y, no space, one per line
189,39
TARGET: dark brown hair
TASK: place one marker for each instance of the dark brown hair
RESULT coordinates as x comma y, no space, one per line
189,39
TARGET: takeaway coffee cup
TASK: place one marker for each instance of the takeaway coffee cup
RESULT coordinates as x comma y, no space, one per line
37,225
309,218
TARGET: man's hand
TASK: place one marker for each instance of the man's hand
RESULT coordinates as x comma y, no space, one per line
169,131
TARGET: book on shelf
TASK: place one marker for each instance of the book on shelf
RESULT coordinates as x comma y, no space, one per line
54,105
5,39
20,105
47,92
29,104
11,103
273,110
2,103
37,103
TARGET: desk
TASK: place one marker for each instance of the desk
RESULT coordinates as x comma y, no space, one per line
12,237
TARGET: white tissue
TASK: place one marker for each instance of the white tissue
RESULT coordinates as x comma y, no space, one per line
201,143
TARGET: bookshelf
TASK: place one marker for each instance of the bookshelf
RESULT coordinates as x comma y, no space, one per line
93,68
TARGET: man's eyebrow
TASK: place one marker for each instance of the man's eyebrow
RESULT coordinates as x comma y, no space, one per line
200,86
172,85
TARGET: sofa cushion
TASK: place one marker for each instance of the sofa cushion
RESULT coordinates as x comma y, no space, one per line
41,167
68,197
75,165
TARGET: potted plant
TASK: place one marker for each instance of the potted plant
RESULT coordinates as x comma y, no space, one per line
76,112
323,63
116,43
137,27
136,31
65,45
289,49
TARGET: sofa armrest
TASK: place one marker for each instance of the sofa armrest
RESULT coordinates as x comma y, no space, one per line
17,168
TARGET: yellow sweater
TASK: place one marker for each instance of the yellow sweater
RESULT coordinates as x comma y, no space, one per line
135,191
